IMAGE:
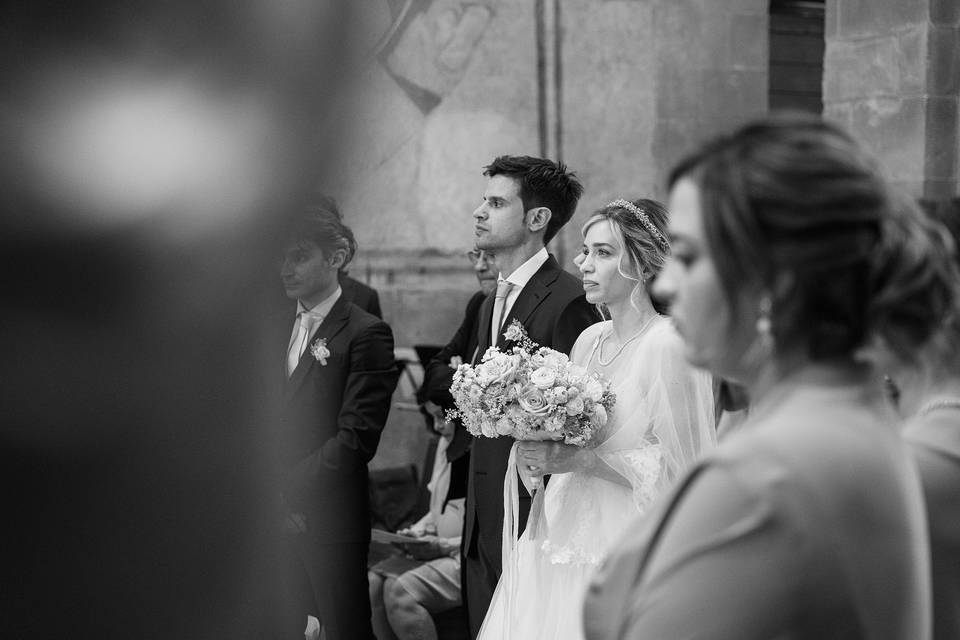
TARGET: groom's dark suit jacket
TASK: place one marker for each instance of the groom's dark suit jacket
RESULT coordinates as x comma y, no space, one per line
554,312
332,417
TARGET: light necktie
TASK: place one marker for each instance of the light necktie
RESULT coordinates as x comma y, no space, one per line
500,307
306,321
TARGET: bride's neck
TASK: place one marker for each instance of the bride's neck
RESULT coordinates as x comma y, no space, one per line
627,319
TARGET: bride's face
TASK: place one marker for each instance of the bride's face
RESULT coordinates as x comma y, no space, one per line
602,265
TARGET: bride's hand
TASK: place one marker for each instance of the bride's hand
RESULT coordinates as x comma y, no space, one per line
543,458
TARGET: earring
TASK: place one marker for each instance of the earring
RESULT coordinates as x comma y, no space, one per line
764,323
760,349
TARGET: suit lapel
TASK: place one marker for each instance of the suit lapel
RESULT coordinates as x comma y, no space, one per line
531,296
335,321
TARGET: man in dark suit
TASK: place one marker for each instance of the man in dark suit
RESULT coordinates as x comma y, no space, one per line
438,372
339,378
360,294
525,203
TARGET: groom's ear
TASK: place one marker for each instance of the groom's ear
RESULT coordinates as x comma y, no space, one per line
539,218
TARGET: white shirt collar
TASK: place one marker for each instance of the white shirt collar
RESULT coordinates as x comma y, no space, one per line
323,307
522,274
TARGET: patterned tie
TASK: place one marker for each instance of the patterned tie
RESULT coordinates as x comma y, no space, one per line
500,306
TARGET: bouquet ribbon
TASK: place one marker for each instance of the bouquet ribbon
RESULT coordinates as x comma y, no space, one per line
536,521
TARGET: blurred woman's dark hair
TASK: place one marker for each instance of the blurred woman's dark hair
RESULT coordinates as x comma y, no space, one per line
792,205
942,224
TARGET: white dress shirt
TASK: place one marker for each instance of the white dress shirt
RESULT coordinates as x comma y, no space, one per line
519,278
311,321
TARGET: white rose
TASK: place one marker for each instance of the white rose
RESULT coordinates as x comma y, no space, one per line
488,428
599,417
543,378
504,426
554,359
533,401
502,370
574,406
593,389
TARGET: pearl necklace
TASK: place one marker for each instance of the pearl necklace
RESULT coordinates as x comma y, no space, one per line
603,339
943,403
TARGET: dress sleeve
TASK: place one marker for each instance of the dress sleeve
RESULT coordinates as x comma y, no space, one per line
666,424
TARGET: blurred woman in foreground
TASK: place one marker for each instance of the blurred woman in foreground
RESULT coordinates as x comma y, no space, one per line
809,522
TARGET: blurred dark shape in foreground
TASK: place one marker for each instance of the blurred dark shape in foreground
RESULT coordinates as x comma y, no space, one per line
150,152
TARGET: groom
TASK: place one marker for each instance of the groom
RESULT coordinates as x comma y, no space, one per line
526,202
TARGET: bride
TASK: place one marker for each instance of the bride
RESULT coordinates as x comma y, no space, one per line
662,421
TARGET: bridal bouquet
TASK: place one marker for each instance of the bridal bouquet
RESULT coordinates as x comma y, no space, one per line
530,392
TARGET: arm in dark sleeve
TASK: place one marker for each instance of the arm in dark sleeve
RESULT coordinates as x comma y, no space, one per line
374,305
363,413
577,316
438,375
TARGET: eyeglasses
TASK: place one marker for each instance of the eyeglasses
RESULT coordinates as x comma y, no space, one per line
475,255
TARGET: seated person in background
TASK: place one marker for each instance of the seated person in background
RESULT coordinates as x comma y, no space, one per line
438,375
484,266
403,593
360,294
405,590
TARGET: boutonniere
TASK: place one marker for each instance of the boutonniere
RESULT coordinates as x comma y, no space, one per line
515,332
319,350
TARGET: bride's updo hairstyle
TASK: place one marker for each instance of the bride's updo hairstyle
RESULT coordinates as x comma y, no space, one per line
641,227
793,207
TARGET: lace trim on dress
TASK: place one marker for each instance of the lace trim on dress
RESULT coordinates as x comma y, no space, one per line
645,465
648,463
568,554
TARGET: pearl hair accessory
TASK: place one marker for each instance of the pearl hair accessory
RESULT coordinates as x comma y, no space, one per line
644,220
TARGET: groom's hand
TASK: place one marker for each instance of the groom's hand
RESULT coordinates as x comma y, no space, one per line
544,458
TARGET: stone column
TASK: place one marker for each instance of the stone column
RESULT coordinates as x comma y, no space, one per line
892,77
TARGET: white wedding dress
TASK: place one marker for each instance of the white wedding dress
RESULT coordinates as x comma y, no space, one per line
662,421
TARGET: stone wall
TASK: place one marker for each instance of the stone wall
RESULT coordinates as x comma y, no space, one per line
618,89
892,77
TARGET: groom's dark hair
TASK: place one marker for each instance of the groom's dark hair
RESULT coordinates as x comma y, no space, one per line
543,183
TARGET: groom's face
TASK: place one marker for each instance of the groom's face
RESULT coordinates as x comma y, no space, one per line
500,221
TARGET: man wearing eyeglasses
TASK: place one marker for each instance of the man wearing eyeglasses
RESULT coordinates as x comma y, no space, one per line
462,347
